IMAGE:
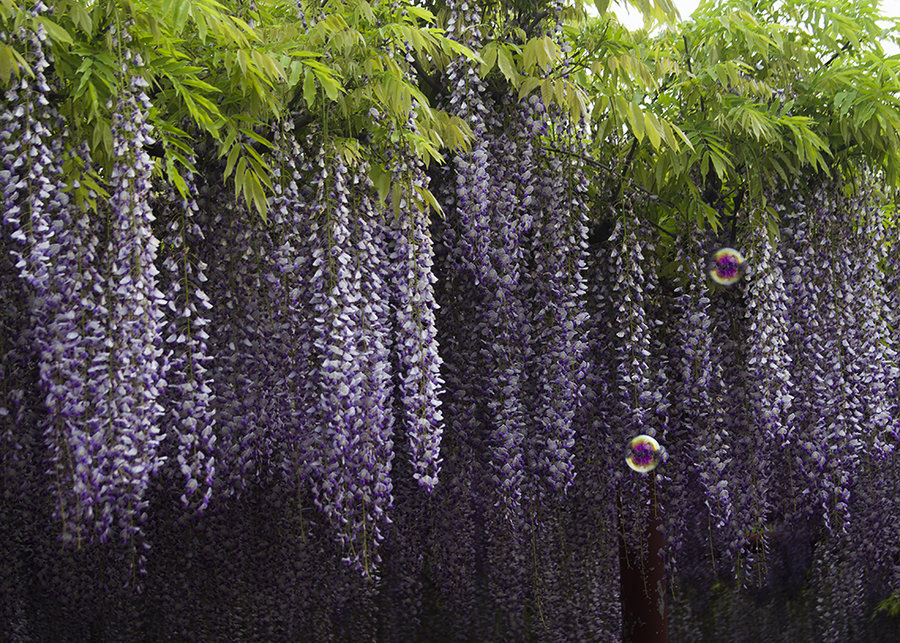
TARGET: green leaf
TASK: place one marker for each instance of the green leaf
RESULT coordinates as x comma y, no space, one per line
331,87
175,177
240,178
488,57
506,65
427,199
81,18
55,32
309,89
547,89
653,129
381,179
182,9
9,64
528,85
421,13
232,159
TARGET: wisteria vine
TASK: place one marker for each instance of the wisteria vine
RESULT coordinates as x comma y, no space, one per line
371,416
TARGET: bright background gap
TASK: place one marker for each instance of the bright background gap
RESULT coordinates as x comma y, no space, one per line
631,18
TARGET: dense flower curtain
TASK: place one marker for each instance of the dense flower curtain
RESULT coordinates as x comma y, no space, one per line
357,419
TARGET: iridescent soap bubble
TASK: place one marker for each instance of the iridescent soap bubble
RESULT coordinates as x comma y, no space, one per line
643,454
726,266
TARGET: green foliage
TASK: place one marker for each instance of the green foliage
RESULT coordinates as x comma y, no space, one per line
704,115
889,606
221,76
707,114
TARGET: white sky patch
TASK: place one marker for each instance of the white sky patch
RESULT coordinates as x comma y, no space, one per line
891,9
632,19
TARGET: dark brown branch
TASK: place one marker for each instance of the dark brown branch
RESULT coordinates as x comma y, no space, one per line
585,159
156,150
739,200
302,121
834,56
597,164
431,81
535,21
687,55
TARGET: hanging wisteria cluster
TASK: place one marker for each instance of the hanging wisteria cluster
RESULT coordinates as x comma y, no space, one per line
359,419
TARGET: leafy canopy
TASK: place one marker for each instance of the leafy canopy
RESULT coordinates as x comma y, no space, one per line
701,114
222,75
706,114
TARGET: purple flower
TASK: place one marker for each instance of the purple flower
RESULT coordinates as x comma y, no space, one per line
129,378
352,444
416,343
189,394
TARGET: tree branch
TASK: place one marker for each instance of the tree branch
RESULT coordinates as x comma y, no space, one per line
597,164
834,56
535,21
430,80
739,200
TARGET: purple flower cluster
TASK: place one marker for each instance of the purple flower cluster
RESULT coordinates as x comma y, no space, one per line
253,343
351,473
767,392
505,318
633,406
877,360
829,403
471,189
416,346
57,260
189,395
297,202
558,248
630,291
127,379
768,364
707,442
291,358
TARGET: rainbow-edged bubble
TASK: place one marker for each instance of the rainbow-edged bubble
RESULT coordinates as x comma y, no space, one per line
643,454
726,267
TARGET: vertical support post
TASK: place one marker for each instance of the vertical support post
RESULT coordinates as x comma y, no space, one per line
643,580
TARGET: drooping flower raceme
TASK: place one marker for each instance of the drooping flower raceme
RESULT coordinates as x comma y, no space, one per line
189,392
129,379
558,243
416,343
350,474
703,444
57,259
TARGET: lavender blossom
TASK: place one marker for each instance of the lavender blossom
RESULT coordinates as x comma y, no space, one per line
565,287
59,265
351,473
467,100
703,442
129,379
189,397
416,343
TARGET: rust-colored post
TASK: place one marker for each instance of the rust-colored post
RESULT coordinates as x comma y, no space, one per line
643,581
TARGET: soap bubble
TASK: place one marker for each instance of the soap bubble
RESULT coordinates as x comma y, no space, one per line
643,454
726,266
